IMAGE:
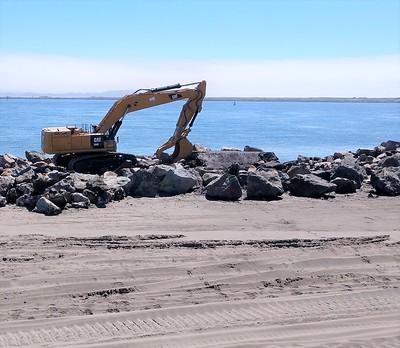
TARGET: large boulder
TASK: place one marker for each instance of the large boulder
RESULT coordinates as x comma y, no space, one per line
344,185
144,183
34,156
3,201
78,200
82,181
390,145
7,161
295,170
210,176
27,201
309,185
390,161
44,206
386,182
178,181
25,175
268,156
351,173
264,185
6,183
226,188
224,159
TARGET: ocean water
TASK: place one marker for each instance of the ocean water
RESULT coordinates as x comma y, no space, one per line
287,128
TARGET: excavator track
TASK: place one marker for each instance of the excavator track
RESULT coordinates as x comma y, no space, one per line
95,163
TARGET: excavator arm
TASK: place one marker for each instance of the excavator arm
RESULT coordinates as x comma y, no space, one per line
111,122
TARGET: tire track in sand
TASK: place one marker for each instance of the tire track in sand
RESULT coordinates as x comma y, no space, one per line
142,326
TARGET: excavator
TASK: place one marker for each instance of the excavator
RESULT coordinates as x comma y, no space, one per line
94,150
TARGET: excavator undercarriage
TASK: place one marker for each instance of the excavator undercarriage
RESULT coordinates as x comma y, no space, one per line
94,151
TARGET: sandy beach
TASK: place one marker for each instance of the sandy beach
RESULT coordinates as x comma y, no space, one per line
184,272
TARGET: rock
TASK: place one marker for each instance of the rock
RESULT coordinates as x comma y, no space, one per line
224,159
91,195
115,182
386,182
12,195
391,161
264,185
78,200
81,181
27,201
25,175
44,206
3,201
294,170
248,148
309,185
349,173
200,148
225,188
144,183
208,177
233,169
103,198
25,188
242,176
7,161
178,181
6,183
366,152
344,185
323,174
34,156
160,170
268,157
390,145
64,185
59,198
108,173
227,148
119,194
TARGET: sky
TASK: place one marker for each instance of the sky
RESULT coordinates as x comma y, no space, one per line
264,48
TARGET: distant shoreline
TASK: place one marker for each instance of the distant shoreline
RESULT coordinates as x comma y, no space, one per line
241,99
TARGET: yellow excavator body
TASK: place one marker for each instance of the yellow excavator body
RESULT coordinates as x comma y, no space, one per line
78,143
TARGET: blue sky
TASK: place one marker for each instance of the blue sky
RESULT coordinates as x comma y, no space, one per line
203,35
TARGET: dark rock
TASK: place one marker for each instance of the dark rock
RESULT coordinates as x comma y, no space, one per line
268,157
233,169
224,159
178,181
78,200
248,148
3,201
44,206
390,145
309,185
25,188
91,195
25,175
225,188
227,148
12,195
34,156
81,181
386,182
294,170
349,173
119,194
391,161
264,185
27,201
7,161
160,170
103,198
41,182
143,184
6,183
59,198
209,176
323,174
366,152
344,185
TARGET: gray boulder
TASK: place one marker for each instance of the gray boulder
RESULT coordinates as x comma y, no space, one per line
178,181
226,188
390,161
248,148
344,185
82,181
7,161
309,185
264,185
224,159
144,183
268,157
210,176
160,170
44,206
6,183
3,201
25,175
78,200
295,170
25,188
350,173
386,182
12,195
90,195
27,201
34,156
390,145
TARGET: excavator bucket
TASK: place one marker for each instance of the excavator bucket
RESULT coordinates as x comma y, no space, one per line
183,149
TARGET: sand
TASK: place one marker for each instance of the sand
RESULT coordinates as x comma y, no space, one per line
187,272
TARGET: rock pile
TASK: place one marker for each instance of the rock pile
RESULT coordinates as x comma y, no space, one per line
40,186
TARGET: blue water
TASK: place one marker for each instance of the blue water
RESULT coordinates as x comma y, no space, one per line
287,128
